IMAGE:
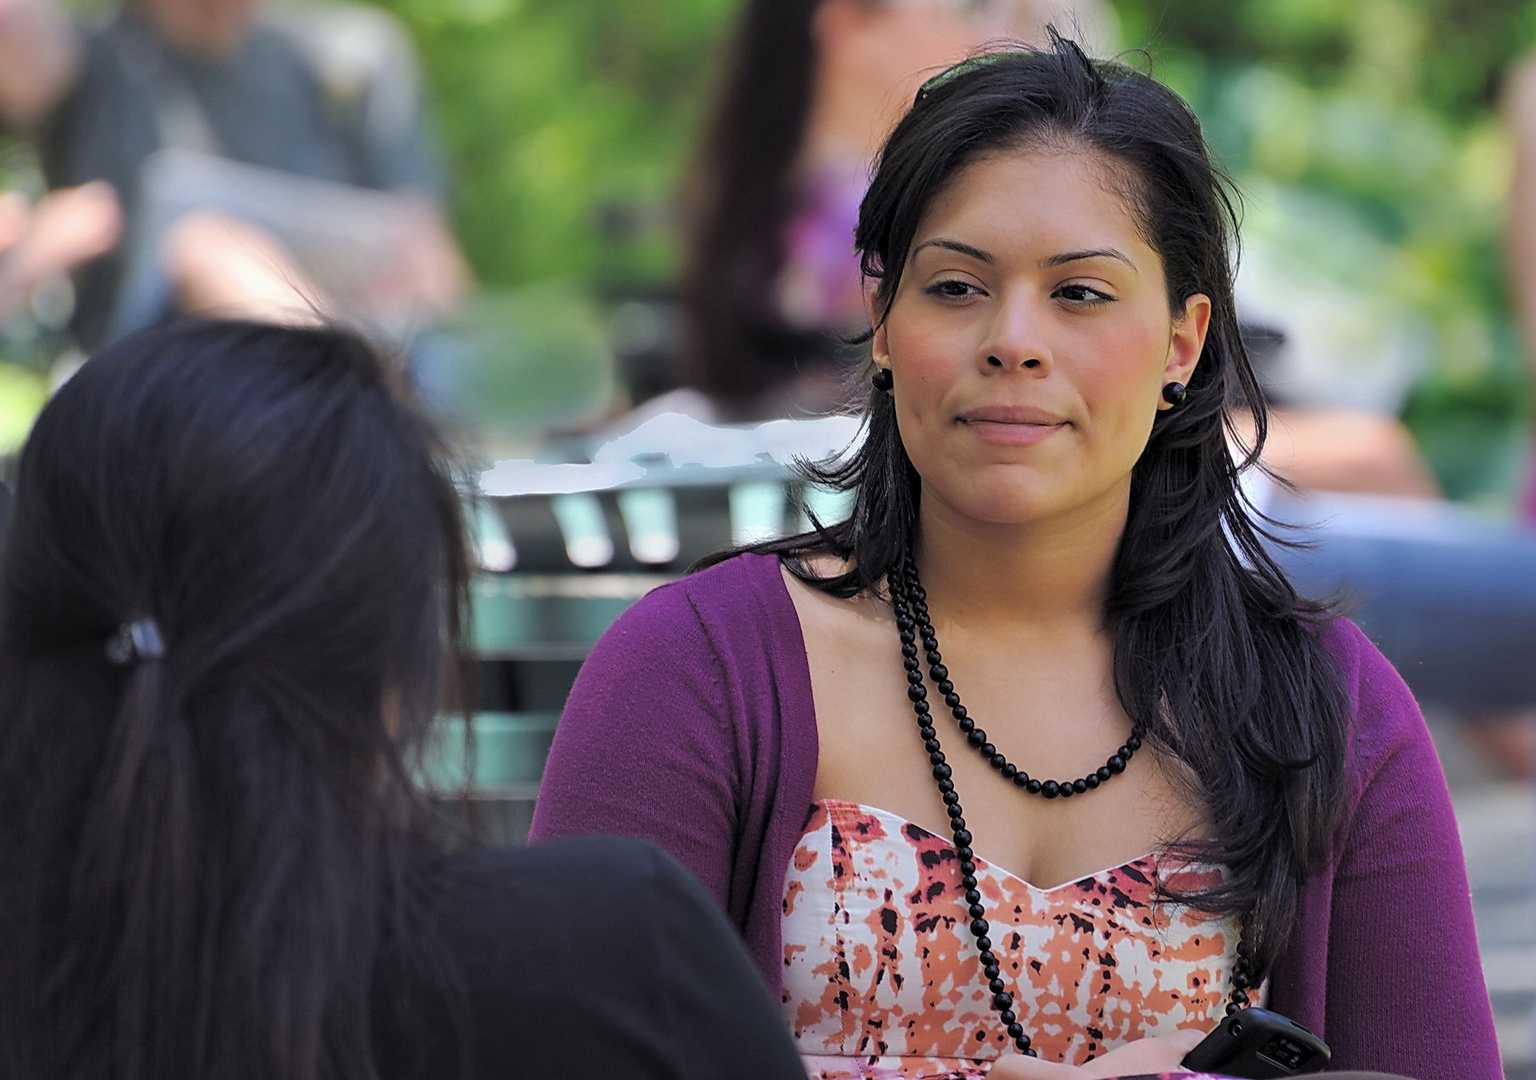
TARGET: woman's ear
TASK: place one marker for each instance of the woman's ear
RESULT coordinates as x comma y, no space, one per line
1187,343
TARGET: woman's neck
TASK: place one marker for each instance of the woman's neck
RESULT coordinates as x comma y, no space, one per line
1036,580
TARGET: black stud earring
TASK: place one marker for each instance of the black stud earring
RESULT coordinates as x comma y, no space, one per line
882,379
1174,394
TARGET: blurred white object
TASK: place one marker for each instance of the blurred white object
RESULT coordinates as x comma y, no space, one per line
519,476
754,463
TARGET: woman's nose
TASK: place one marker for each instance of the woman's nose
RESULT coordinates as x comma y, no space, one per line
1015,339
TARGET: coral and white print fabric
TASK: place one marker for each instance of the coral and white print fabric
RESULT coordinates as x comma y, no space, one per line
882,980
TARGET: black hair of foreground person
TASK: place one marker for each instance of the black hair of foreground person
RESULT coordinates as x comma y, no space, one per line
223,831
1214,651
216,862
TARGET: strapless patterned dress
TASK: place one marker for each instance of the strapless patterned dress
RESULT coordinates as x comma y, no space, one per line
882,979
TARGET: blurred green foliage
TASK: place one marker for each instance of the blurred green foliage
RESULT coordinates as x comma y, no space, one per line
1386,111
568,124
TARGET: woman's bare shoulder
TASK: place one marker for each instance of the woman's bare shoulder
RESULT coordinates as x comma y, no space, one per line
835,627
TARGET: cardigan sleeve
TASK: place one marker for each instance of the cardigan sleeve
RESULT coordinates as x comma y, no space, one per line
1405,990
647,747
692,725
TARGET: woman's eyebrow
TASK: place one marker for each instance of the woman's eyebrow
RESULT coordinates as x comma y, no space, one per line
1092,253
1063,258
956,245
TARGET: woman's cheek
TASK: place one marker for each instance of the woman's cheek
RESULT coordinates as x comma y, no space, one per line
926,370
1122,383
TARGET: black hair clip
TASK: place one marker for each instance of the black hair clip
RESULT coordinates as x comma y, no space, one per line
134,641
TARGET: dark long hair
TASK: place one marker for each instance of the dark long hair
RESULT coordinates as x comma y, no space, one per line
205,853
1214,651
737,344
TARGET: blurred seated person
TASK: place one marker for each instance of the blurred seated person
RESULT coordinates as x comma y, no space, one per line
1513,739
1320,447
278,97
812,89
1345,450
223,651
1447,593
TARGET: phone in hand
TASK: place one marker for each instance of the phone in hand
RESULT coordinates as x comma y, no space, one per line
1256,1044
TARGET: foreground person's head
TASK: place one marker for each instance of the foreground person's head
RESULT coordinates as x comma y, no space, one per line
229,586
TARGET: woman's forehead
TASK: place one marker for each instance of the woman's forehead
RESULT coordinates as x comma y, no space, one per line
1047,194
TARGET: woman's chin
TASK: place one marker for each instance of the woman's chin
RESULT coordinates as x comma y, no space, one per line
1025,501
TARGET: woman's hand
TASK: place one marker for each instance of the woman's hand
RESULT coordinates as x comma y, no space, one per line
1158,1055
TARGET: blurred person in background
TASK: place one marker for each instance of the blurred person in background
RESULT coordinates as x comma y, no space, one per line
298,130
223,650
1337,448
41,242
1447,591
812,89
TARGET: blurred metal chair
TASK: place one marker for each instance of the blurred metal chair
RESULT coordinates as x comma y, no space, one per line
566,546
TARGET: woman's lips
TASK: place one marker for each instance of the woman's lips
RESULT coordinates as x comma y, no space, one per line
1012,425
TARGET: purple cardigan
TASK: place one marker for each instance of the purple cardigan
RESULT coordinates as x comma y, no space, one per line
692,725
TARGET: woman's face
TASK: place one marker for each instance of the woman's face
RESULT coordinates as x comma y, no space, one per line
1030,339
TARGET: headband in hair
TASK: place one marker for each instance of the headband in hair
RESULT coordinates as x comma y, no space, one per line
964,67
981,60
134,641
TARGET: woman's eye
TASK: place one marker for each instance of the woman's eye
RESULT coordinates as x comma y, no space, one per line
952,289
1082,294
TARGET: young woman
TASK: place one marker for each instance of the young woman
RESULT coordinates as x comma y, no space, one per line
232,578
1039,753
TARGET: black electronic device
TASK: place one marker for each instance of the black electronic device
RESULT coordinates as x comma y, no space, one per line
1256,1044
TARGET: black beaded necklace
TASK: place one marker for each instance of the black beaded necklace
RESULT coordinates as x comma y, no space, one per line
911,604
